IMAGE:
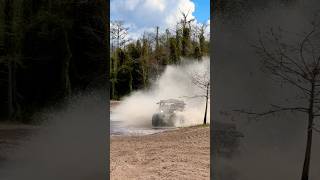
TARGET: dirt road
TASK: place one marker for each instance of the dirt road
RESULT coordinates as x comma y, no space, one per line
178,154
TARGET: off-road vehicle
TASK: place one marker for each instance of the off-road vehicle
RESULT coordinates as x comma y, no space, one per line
167,115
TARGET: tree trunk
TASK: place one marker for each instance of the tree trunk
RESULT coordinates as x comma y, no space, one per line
306,164
157,53
205,112
8,12
66,66
113,94
10,90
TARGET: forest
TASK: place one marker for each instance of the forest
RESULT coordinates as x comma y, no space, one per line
50,50
134,63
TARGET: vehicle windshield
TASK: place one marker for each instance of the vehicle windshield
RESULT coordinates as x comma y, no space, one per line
166,106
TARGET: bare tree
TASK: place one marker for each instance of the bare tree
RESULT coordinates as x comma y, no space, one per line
201,36
298,66
119,34
186,30
157,48
202,81
184,21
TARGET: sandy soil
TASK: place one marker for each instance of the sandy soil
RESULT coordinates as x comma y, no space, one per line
177,154
11,135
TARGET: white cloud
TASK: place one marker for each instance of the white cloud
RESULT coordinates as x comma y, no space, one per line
207,32
143,15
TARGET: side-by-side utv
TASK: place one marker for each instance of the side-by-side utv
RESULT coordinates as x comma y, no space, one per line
167,113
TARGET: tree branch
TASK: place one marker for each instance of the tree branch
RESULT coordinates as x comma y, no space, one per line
301,49
279,109
292,82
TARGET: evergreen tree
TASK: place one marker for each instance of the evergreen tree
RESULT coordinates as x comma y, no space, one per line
174,55
133,64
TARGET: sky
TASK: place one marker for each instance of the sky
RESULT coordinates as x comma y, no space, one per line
145,15
202,10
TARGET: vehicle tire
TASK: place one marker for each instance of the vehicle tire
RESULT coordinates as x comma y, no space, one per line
157,120
172,120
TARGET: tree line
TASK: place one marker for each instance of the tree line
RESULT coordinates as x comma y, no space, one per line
48,51
133,63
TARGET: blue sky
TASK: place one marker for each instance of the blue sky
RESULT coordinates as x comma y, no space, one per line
145,15
202,10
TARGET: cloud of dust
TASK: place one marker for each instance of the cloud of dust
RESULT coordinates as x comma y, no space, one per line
175,82
71,144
